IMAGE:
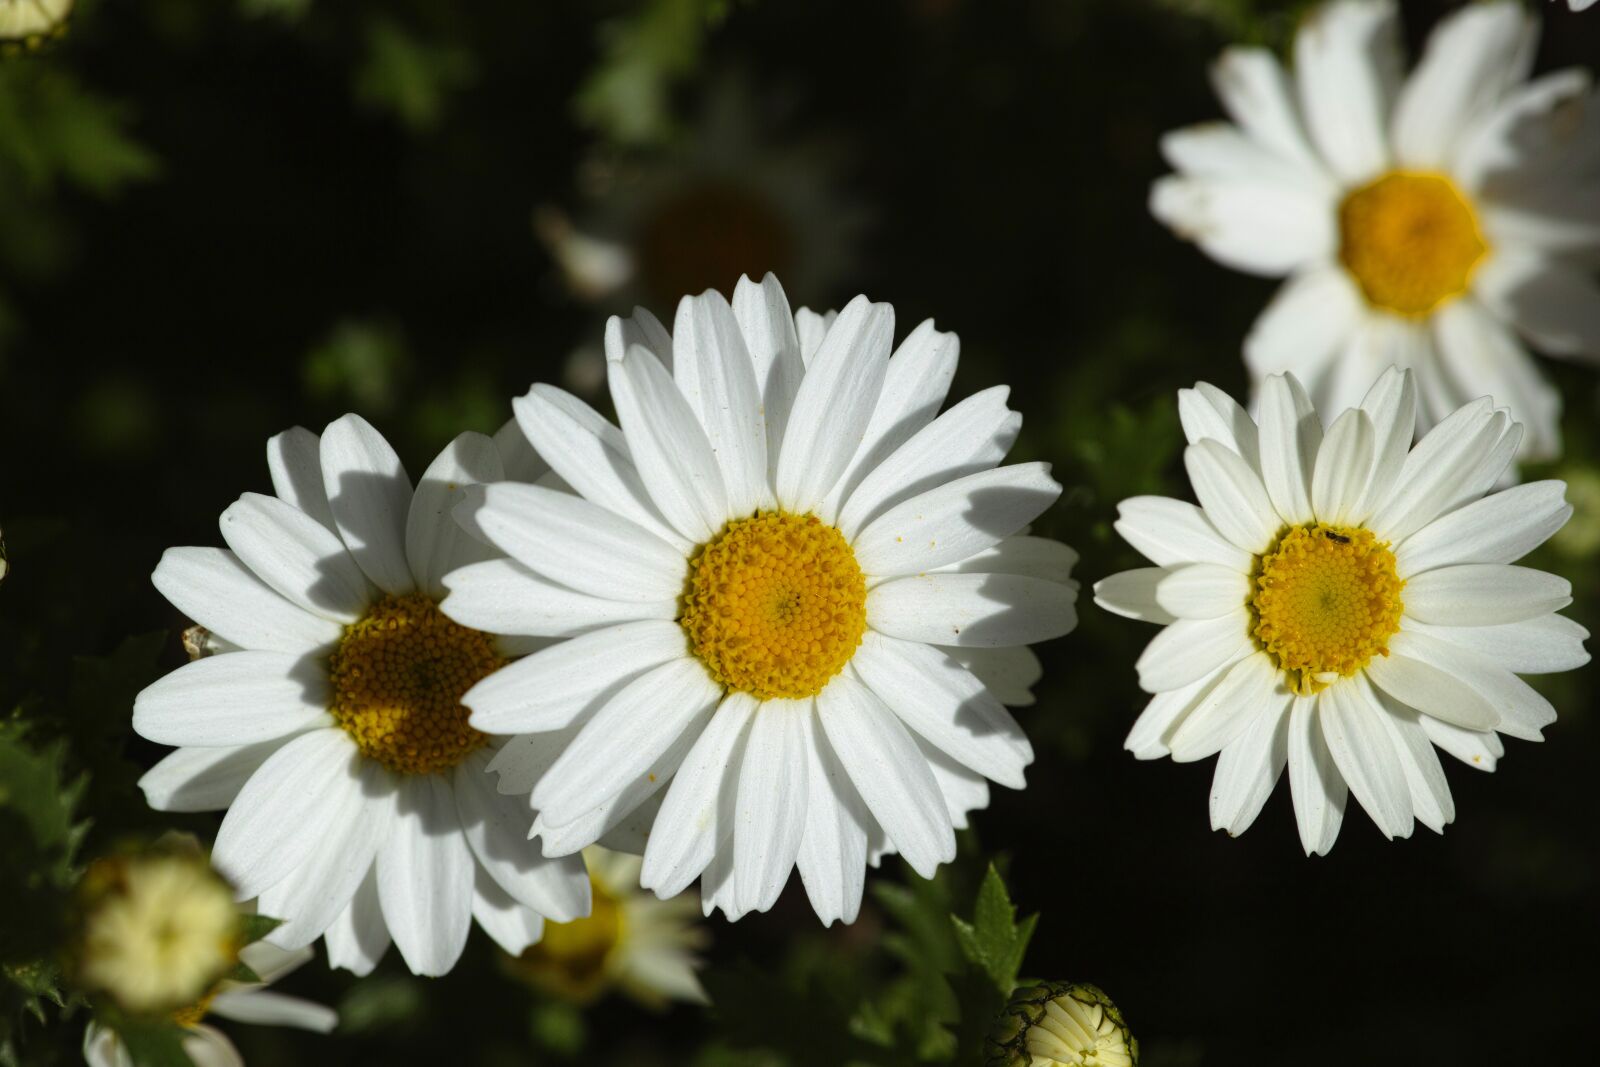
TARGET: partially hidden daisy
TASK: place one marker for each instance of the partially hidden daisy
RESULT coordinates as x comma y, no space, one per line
241,1001
631,941
329,723
1436,222
790,587
1340,603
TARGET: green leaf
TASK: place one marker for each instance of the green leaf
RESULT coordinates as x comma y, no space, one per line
994,941
154,1043
255,927
408,76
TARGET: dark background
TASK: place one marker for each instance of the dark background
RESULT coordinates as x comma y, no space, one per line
309,225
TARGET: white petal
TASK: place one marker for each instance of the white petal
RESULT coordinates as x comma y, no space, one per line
1189,649
1009,673
1291,434
943,703
1207,412
1480,750
914,387
835,404
716,375
1167,531
1552,303
1339,483
272,963
1541,645
956,520
1260,227
1484,594
1132,594
237,698
1353,728
370,495
1482,353
1255,91
311,898
1428,688
624,737
1037,557
213,588
550,689
972,436
1251,688
269,830
1318,790
1471,58
833,849
1151,735
202,779
1346,58
496,828
517,458
569,540
696,815
1437,471
295,463
435,544
1500,528
1527,136
769,334
812,328
502,596
207,1046
675,460
1306,326
591,455
641,328
1521,712
297,556
359,937
511,926
425,875
986,610
1391,404
1247,770
266,1008
1232,495
1221,150
625,820
770,806
889,772
1430,792
1201,591
964,791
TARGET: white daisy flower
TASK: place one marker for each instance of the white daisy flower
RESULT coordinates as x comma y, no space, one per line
245,1002
330,724
789,588
30,21
1580,5
1341,603
630,941
1433,223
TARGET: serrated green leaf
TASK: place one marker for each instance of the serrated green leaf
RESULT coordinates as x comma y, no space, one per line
994,941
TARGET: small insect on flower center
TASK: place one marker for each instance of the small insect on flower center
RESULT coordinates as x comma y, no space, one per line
1410,240
398,677
1326,600
775,605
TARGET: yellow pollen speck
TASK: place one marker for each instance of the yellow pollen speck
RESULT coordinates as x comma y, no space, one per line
398,678
775,605
1326,600
1410,240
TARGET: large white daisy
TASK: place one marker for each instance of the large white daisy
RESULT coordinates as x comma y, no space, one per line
791,587
1340,603
246,1002
1434,222
330,724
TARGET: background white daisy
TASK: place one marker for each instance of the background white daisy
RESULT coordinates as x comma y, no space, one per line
1435,222
358,804
1340,603
245,1002
792,588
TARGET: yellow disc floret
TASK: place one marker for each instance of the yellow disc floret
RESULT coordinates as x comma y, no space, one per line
398,678
1326,600
572,959
1410,240
775,605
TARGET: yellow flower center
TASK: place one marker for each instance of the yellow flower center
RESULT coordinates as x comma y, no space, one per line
1411,240
1326,600
191,1017
775,605
570,959
398,677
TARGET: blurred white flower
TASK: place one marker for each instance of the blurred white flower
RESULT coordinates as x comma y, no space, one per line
1423,222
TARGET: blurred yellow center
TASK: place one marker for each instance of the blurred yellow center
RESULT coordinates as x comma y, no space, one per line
570,959
1411,240
191,1017
398,677
1326,600
775,605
